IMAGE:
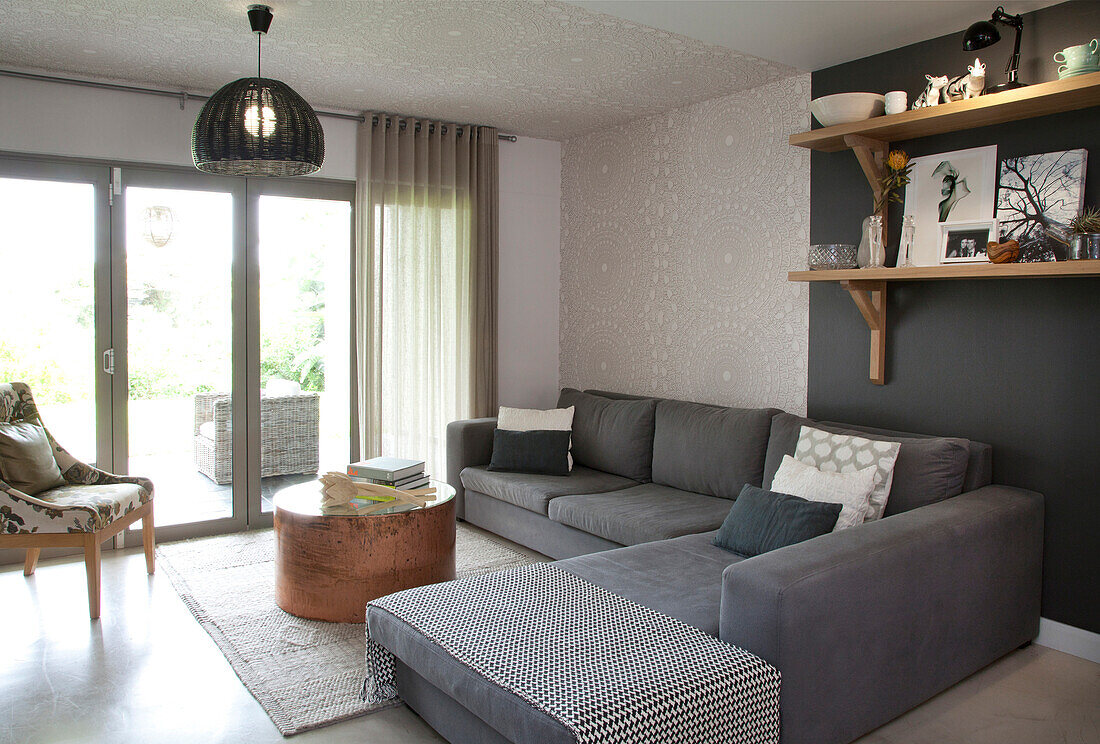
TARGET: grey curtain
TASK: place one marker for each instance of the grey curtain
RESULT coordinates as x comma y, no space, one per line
426,280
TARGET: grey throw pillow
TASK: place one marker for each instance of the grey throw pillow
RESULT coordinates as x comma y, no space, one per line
615,436
761,520
26,458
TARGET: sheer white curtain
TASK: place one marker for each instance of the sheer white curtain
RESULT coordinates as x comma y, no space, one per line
426,284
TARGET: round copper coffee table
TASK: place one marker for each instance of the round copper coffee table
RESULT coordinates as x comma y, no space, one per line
330,563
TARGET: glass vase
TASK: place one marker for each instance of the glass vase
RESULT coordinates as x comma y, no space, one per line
877,259
905,250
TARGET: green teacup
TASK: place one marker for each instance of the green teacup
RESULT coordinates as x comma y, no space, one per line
1080,56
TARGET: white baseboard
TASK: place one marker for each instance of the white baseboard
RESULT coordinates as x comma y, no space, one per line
1068,639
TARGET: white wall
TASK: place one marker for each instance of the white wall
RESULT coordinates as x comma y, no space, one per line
55,119
530,238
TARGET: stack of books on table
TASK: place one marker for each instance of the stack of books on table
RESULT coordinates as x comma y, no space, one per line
390,471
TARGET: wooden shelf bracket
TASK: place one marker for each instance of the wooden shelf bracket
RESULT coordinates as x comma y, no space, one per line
870,298
871,154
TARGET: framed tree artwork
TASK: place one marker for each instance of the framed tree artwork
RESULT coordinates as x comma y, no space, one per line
1037,197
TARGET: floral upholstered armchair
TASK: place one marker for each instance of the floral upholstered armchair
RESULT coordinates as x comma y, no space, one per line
88,508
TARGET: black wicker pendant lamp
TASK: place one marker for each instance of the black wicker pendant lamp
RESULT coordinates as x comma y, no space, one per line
258,126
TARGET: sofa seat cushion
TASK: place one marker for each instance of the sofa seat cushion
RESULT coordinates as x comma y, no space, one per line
681,577
641,513
109,501
534,492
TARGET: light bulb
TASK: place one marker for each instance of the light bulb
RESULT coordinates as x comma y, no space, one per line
253,123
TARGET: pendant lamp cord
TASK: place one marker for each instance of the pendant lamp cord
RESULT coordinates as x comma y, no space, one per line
259,45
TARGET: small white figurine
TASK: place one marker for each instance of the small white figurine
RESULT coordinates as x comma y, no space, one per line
966,86
931,94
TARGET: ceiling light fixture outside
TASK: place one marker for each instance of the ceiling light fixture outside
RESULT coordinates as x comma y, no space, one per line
159,224
258,126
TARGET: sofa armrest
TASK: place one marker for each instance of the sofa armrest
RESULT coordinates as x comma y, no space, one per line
469,442
867,623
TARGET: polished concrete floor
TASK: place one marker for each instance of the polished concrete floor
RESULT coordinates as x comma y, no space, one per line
146,672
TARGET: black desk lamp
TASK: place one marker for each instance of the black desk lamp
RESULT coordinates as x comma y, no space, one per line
985,33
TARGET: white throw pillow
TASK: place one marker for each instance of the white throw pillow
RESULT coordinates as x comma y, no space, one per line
844,453
277,388
851,490
532,419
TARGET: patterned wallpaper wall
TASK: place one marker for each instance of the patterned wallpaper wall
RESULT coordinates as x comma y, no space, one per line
677,234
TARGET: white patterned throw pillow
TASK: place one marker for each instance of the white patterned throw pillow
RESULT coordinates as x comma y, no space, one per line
533,419
844,453
851,490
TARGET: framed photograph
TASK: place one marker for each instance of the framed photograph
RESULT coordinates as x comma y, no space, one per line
958,186
966,242
1038,196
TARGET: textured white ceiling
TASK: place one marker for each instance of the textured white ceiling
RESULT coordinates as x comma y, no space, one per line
810,34
543,69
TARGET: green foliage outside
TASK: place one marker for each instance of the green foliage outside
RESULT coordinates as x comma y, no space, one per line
179,315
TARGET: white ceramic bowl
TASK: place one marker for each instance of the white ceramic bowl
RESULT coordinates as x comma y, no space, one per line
844,108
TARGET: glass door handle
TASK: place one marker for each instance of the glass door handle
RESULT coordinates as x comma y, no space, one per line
109,361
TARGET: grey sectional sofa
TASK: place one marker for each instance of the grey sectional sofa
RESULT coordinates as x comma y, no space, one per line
863,624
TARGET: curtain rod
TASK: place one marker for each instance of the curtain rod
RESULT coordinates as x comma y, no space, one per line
182,96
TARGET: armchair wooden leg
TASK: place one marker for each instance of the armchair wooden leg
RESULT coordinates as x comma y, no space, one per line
91,564
148,539
32,561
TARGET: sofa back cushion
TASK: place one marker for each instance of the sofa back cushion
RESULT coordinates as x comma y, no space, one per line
710,449
928,469
615,436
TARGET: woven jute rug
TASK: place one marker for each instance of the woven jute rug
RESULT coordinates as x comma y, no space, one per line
304,673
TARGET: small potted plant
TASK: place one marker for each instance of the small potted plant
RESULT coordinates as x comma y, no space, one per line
1085,227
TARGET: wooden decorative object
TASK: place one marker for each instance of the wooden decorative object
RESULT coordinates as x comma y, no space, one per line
1005,252
338,490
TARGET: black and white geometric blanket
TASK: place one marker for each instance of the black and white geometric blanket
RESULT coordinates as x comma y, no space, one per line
608,669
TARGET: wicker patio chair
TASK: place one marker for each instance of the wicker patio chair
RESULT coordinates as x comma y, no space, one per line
290,428
90,508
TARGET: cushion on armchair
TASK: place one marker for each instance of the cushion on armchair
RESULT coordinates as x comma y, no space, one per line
26,458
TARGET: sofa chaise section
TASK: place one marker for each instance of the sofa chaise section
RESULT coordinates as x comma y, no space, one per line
863,624
867,623
465,707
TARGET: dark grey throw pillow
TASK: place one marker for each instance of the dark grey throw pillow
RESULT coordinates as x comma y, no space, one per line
760,521
538,451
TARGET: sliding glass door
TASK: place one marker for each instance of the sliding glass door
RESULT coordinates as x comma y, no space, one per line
303,239
193,329
55,254
175,347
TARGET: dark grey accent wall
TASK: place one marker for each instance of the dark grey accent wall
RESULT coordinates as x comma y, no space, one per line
1015,363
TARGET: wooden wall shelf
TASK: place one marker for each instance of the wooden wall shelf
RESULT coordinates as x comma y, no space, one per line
870,140
953,271
867,288
1040,99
